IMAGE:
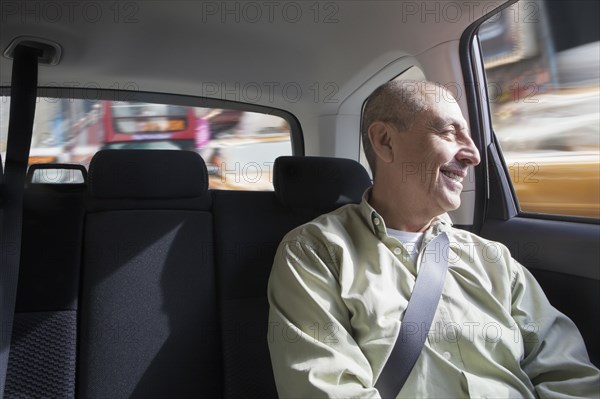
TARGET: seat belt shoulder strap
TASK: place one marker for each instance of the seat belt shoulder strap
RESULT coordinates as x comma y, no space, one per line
417,318
20,130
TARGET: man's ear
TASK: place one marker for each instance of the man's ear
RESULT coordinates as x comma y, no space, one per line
380,135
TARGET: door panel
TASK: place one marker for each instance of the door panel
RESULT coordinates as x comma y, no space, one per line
565,259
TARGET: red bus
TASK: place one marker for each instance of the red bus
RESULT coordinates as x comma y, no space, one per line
129,125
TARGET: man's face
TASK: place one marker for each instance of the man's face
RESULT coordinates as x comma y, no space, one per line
432,156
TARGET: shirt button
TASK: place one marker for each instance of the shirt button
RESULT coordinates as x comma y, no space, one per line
376,221
397,251
447,355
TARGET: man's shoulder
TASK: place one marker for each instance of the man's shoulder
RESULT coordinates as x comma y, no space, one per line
460,235
325,226
493,256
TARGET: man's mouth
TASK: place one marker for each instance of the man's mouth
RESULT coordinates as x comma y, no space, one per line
453,175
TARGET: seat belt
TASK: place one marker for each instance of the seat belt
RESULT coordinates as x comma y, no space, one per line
417,318
20,128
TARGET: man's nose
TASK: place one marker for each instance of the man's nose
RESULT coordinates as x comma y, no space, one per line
469,154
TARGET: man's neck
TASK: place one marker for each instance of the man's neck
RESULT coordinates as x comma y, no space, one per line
398,212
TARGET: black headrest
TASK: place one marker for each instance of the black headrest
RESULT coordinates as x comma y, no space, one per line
319,182
147,174
59,173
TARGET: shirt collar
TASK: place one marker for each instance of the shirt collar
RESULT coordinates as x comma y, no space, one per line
377,224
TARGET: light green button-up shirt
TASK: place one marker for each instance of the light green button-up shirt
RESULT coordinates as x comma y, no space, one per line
338,291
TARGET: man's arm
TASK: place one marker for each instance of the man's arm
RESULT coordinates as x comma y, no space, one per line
555,359
312,350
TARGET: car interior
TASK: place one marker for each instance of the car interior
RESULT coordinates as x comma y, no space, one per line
142,271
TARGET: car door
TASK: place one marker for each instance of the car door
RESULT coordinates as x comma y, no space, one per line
532,73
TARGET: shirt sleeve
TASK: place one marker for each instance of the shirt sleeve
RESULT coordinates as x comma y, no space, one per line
313,353
555,358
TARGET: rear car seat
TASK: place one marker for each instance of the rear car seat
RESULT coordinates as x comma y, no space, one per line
248,229
148,319
155,320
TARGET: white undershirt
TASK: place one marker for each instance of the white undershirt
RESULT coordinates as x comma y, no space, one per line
411,241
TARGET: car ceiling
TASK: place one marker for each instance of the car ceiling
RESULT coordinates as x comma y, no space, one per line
185,47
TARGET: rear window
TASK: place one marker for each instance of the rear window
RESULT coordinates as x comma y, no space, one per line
239,147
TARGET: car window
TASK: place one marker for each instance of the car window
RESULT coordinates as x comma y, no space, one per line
542,65
239,147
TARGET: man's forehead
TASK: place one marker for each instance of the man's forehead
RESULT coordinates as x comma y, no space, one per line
446,120
444,113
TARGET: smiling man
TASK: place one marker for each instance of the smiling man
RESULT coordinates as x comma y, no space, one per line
340,284
419,147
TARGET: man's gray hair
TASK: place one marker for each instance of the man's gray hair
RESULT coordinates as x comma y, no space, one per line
396,102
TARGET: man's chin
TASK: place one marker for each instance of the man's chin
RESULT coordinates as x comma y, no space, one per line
449,199
451,204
